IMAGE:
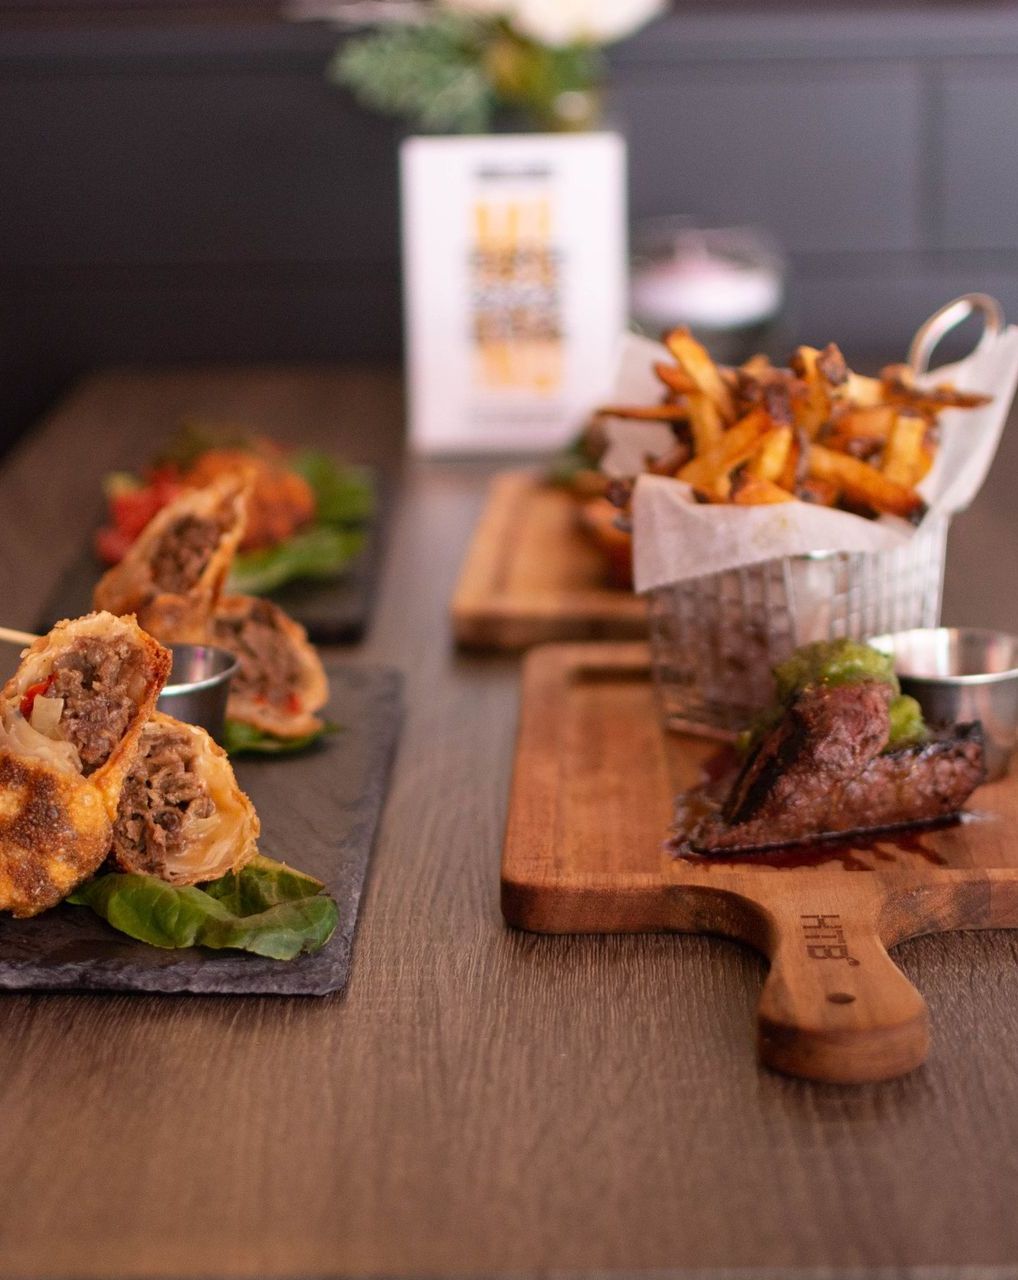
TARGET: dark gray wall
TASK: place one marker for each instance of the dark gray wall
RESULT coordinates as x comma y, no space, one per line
173,190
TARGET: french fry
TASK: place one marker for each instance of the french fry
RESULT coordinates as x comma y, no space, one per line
821,493
754,491
864,485
709,471
903,460
645,412
675,379
861,391
860,432
693,359
768,462
813,409
705,421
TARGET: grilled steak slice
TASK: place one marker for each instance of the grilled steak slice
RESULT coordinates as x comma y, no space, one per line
819,772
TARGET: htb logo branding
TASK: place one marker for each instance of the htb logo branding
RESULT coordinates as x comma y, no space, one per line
825,938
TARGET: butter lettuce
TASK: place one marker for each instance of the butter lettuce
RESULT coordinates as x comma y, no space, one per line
239,738
267,908
322,551
343,494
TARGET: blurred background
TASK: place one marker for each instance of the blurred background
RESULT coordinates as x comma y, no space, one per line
181,183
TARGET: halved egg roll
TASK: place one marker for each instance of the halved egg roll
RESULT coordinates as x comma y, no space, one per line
175,572
280,682
70,720
182,816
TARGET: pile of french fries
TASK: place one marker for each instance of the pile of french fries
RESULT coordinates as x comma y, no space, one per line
816,431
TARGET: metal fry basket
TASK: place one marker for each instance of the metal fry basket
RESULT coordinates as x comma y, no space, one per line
714,639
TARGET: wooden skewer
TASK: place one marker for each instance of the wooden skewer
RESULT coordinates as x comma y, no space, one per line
17,637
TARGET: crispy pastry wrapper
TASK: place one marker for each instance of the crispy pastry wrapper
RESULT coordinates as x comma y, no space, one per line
312,688
55,823
208,847
676,538
130,586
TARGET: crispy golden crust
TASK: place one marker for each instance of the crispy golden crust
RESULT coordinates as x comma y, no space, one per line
54,833
130,586
154,669
311,690
225,841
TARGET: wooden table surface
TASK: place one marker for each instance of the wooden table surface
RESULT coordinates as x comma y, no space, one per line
480,1101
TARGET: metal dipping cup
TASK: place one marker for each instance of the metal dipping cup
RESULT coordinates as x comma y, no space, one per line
199,686
960,674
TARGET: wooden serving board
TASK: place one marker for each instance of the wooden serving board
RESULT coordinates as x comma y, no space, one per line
532,576
595,781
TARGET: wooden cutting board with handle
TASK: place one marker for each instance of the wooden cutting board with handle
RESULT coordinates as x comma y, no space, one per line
531,575
595,781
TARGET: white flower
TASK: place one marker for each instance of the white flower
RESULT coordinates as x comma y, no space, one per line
565,22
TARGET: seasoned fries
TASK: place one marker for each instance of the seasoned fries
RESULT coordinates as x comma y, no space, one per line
816,431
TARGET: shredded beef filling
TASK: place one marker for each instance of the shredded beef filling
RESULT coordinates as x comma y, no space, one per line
183,553
269,670
161,791
93,677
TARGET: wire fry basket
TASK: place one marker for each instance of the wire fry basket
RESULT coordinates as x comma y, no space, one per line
714,639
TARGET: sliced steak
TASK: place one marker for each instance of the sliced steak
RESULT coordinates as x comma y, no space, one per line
95,678
183,553
820,772
161,791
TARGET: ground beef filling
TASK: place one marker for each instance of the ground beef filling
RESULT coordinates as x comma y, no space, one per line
183,553
269,669
162,790
93,676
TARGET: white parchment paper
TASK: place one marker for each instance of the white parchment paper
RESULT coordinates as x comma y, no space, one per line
676,538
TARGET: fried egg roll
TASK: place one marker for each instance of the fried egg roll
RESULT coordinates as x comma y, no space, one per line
70,722
280,682
174,574
182,816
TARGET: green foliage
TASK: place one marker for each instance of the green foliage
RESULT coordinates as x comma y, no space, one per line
455,72
266,908
431,73
243,739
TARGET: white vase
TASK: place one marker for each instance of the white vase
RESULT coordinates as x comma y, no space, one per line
514,276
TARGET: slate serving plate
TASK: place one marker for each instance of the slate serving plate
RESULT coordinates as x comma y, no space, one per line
334,611
319,811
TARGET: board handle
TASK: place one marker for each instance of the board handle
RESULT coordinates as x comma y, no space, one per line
835,1006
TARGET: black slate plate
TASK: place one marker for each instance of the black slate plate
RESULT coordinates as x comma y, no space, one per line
319,811
335,611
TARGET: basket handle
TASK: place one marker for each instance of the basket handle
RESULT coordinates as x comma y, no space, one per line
931,332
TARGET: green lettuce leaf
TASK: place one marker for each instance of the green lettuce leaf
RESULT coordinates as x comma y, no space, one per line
343,494
239,737
322,551
266,908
